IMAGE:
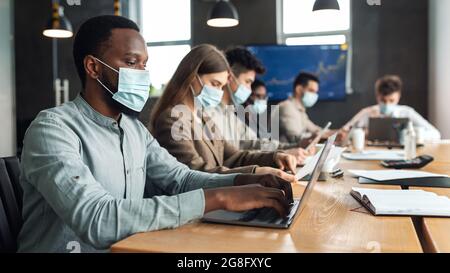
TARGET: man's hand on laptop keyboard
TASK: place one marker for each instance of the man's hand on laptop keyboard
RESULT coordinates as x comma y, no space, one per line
269,181
248,197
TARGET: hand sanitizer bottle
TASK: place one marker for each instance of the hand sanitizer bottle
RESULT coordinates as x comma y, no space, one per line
410,142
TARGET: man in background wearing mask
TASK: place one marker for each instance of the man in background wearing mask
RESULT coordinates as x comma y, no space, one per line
245,66
388,91
295,125
93,174
258,99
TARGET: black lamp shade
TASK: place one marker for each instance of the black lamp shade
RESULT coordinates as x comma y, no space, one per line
58,26
326,4
223,14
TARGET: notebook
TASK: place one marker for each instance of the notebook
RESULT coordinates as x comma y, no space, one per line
402,203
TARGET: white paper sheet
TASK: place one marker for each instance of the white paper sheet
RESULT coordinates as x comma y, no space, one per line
376,155
388,175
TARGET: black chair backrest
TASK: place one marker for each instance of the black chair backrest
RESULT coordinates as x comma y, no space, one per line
7,242
13,168
9,201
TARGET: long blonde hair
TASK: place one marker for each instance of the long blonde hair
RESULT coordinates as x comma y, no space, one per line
202,59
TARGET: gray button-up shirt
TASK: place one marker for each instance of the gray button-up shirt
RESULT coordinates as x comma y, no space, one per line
90,181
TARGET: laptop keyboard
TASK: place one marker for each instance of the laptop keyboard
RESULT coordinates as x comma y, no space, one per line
268,215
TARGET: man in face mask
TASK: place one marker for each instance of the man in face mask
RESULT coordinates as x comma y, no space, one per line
388,92
93,174
295,125
244,68
258,98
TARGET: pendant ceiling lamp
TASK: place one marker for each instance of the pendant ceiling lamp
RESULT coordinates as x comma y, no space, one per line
223,14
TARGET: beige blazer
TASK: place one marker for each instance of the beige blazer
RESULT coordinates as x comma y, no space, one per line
197,143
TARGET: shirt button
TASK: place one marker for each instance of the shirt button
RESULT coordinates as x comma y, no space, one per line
128,171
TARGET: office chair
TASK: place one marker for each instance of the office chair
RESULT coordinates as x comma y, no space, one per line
11,216
13,168
7,243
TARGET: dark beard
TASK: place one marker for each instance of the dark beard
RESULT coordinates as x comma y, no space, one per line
125,110
116,105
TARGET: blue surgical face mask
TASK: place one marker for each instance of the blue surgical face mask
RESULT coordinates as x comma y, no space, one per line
241,95
133,87
209,96
259,106
387,109
309,99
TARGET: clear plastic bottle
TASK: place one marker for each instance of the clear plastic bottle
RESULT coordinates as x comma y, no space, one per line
410,142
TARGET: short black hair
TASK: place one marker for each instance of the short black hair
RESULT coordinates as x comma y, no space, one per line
388,85
304,78
257,83
242,60
92,36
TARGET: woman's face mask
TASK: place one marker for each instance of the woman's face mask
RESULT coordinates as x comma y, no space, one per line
133,87
209,96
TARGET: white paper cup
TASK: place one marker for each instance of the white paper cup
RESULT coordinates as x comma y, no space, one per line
358,139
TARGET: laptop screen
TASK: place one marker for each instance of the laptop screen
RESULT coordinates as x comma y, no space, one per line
386,129
316,173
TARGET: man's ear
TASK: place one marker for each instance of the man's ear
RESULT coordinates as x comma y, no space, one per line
378,97
91,67
298,90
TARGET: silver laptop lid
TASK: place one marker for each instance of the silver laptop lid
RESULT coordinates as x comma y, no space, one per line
316,173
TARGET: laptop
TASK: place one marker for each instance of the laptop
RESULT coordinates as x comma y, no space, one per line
386,131
269,217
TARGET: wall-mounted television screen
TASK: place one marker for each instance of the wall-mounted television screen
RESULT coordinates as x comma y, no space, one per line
284,63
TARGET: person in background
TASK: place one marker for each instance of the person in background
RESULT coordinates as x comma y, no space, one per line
244,68
258,100
388,92
258,103
91,173
295,125
188,133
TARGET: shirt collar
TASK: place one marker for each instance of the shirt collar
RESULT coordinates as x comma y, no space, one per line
298,104
87,110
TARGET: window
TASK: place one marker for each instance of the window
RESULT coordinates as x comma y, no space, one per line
163,61
167,31
302,26
299,25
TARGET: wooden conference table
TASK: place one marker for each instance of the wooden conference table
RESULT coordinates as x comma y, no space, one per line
436,231
332,222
